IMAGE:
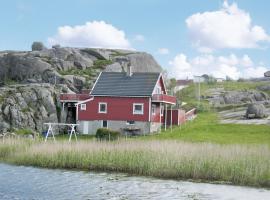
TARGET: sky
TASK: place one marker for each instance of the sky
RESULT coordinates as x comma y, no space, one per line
187,38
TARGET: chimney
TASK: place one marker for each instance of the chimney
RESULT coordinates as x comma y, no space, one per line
129,70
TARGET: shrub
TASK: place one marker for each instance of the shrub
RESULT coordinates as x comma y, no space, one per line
107,134
38,46
24,132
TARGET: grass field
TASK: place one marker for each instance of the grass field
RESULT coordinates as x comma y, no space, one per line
233,164
206,128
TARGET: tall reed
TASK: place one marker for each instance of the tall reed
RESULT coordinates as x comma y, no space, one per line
236,164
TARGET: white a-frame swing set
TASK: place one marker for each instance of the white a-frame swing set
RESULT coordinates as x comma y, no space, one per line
50,130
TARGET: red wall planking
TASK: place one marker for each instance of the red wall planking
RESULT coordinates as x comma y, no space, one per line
118,108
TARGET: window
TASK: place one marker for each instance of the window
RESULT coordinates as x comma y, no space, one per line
130,122
138,108
83,106
104,124
158,90
153,109
102,108
162,110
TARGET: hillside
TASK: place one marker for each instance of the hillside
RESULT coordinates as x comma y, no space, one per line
31,81
230,99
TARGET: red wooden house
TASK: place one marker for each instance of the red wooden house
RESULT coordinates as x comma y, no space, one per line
126,102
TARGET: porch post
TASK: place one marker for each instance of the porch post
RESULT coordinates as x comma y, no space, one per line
171,118
77,112
165,125
160,117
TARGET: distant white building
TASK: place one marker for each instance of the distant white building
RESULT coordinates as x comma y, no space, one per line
220,80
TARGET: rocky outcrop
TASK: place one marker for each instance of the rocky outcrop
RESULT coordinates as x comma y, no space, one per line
265,88
29,106
51,65
256,111
238,97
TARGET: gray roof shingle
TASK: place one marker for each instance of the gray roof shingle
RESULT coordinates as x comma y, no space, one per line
119,84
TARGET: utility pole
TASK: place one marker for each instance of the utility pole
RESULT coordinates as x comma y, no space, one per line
198,79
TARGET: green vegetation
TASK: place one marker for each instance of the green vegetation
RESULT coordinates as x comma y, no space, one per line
25,110
8,81
206,128
117,53
89,73
107,134
233,164
23,131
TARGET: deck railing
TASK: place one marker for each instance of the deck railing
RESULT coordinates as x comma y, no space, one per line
164,98
74,97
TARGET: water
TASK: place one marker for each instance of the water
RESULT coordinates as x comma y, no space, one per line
28,183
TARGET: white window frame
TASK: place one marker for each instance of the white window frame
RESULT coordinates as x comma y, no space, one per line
153,108
83,106
101,103
161,110
102,124
135,112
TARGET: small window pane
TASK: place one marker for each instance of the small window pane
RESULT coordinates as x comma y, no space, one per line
138,109
83,106
130,122
153,109
105,124
102,108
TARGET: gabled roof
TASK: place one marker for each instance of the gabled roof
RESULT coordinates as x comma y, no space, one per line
119,84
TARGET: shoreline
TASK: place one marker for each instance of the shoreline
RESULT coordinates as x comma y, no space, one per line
142,158
143,176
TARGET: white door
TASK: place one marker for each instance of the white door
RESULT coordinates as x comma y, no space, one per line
85,128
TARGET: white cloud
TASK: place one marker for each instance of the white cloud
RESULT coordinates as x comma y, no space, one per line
139,38
220,66
97,34
255,71
229,27
163,51
246,61
180,67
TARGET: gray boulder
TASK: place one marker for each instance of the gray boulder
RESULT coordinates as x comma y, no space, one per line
238,97
267,74
256,111
38,46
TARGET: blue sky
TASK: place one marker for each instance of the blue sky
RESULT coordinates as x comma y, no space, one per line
186,37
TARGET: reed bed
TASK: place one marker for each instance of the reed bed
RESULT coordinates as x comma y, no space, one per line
233,164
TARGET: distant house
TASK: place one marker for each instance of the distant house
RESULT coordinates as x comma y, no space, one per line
220,80
126,102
